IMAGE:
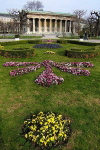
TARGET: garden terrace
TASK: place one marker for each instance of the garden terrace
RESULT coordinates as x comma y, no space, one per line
78,98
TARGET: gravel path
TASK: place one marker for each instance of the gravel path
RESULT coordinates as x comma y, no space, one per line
91,41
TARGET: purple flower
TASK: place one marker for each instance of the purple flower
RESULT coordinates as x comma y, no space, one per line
48,78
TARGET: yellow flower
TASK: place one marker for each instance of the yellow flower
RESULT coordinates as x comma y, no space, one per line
43,131
41,123
42,140
49,127
1,47
52,138
53,128
45,143
25,122
33,121
46,127
26,136
65,135
41,113
33,128
34,138
59,116
45,123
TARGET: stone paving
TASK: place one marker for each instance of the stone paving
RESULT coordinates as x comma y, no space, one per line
91,41
50,37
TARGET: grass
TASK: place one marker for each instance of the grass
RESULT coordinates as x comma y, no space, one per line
77,97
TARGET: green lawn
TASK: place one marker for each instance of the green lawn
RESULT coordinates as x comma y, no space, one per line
77,97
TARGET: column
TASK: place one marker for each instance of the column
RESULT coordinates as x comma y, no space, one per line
65,26
39,26
60,26
55,25
28,25
70,26
33,25
45,26
73,27
50,25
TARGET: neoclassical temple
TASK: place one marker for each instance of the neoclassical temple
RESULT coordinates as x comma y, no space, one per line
41,22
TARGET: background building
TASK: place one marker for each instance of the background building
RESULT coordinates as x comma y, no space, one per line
43,22
4,17
6,23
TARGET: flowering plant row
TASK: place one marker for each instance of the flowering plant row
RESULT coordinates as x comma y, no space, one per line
72,64
48,46
46,130
75,71
21,71
19,64
48,78
48,41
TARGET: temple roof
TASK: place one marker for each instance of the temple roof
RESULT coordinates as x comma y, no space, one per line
51,13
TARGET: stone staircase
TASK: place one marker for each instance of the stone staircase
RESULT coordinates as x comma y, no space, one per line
49,36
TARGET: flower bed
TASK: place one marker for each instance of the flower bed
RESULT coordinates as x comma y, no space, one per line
26,70
46,130
19,64
48,78
1,47
49,52
68,67
48,41
49,46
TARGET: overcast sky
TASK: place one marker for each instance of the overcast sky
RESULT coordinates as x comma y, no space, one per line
67,6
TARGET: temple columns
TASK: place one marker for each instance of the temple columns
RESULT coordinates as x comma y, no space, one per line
70,26
55,25
50,25
60,26
65,25
39,26
33,25
45,25
73,27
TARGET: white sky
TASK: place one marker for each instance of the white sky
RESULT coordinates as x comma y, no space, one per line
67,6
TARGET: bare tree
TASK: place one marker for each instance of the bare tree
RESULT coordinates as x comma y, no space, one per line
19,19
3,28
90,27
93,24
33,5
79,15
96,19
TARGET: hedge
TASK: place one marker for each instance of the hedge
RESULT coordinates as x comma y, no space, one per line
62,41
82,43
17,53
21,42
78,53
